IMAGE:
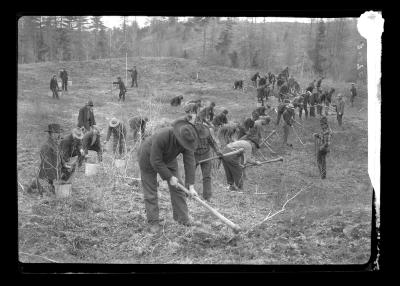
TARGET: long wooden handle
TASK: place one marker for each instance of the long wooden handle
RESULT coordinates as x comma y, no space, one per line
264,162
224,155
232,225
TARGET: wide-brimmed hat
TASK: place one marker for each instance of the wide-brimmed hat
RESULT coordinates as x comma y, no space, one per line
225,111
77,133
113,122
186,134
89,103
54,128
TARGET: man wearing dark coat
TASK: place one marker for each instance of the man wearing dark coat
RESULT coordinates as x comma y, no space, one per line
138,124
238,84
287,116
54,86
313,102
86,116
133,76
311,86
306,101
64,79
52,167
177,100
353,91
122,88
220,119
118,131
206,115
254,78
157,155
192,107
323,141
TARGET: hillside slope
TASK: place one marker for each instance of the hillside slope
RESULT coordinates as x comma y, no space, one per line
104,220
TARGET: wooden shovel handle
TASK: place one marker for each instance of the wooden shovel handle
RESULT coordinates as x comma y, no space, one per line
229,223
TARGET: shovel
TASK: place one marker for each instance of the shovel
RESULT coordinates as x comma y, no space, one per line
226,221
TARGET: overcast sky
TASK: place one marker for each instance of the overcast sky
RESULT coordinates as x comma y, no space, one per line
115,21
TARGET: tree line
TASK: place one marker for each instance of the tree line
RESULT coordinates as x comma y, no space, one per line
331,48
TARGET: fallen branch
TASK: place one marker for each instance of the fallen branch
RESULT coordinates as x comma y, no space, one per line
51,260
269,216
22,187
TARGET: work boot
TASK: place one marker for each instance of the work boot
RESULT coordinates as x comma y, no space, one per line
232,188
191,222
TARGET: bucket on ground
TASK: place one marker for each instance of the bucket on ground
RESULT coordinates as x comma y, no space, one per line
50,93
119,163
70,83
63,190
91,169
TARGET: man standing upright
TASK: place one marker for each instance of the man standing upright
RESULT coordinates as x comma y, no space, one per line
86,116
353,91
54,86
122,88
64,79
287,116
203,152
323,141
340,109
157,155
134,76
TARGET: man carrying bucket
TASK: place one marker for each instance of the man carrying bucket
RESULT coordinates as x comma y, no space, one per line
118,130
71,146
157,155
86,116
52,167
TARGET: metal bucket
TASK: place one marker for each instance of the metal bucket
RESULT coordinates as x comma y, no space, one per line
120,164
50,93
91,169
70,83
63,190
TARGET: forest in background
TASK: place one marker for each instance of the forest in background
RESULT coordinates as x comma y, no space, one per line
329,47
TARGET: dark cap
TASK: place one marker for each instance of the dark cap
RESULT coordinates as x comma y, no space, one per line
90,103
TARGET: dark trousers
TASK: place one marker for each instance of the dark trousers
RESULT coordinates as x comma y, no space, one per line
35,184
134,82
312,111
206,173
352,100
339,119
119,146
149,183
234,173
319,109
121,96
285,133
65,85
321,160
55,93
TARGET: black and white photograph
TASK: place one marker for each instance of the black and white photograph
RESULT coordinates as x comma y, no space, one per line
196,140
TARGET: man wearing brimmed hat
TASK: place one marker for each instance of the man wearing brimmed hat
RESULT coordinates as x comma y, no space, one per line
54,86
91,141
306,102
353,91
86,116
311,86
280,109
313,102
254,78
233,164
339,109
203,152
71,146
138,124
118,130
328,100
122,88
51,163
287,116
298,102
157,155
323,141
